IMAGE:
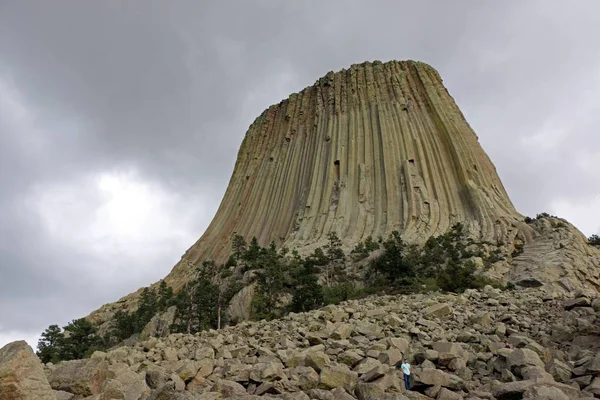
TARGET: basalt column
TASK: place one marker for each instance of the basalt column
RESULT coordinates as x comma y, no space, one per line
364,151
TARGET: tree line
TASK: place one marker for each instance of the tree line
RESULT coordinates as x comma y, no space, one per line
285,282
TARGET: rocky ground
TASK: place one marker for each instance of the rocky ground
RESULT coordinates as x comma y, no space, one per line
455,343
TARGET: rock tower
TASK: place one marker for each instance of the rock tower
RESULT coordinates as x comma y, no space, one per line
371,149
364,151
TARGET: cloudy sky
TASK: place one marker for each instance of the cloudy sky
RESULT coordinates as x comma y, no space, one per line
120,120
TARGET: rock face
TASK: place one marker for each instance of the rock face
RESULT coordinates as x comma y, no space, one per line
22,374
350,155
371,149
526,347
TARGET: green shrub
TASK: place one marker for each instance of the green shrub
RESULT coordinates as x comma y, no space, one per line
594,240
338,293
518,249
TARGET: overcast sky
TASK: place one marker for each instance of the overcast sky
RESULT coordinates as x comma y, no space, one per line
120,121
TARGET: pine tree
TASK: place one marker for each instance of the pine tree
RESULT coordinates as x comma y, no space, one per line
146,309
124,325
334,272
238,247
49,344
80,339
271,282
165,295
253,254
308,294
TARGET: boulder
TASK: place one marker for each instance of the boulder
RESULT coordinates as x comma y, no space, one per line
445,394
267,372
516,390
306,377
578,302
123,383
338,376
228,388
240,306
521,358
60,395
80,377
560,371
541,392
159,325
156,376
438,310
433,377
342,332
368,391
317,359
22,374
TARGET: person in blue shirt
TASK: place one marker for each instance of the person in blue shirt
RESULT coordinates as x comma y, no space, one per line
405,367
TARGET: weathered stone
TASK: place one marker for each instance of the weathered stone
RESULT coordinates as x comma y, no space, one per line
578,302
317,359
160,324
522,358
342,332
267,372
170,354
178,383
432,377
306,377
367,329
375,373
438,310
338,376
368,391
390,357
22,375
124,384
228,388
188,370
560,371
446,394
156,376
80,377
398,343
541,392
366,365
594,387
511,390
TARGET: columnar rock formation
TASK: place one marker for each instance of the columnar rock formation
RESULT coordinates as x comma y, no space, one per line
364,151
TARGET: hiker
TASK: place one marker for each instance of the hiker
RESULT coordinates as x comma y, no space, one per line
405,367
408,104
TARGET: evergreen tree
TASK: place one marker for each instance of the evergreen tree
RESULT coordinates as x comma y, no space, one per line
147,307
252,254
391,263
48,349
238,247
185,307
308,294
124,325
79,340
334,272
271,282
165,295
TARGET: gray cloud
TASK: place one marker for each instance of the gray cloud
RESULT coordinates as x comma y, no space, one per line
104,102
